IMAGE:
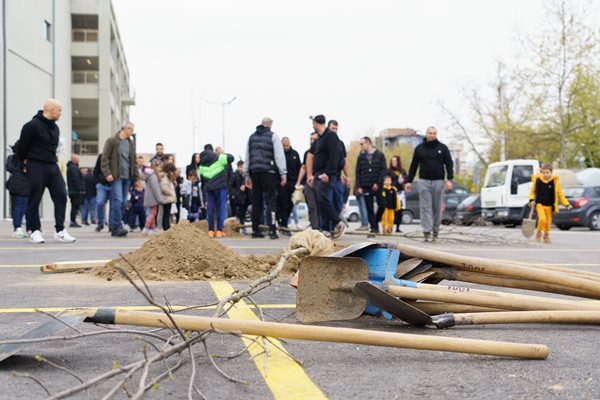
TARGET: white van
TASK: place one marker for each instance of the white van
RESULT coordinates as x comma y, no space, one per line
505,191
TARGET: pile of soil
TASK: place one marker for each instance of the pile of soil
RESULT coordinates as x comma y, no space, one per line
185,252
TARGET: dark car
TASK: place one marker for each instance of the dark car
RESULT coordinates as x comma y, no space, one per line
585,212
469,210
451,201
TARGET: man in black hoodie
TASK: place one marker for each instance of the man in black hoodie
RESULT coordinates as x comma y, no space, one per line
435,164
37,148
326,166
75,187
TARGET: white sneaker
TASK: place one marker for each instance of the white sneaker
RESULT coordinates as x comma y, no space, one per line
19,233
299,227
63,236
36,237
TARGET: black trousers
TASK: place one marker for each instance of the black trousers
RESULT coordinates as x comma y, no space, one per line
42,176
324,193
240,212
76,201
166,216
284,203
137,215
264,185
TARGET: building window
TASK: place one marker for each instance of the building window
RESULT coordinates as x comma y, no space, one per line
47,31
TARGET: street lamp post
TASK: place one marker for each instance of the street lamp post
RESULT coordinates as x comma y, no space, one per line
223,104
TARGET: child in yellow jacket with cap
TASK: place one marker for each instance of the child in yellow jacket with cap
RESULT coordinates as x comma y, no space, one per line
545,195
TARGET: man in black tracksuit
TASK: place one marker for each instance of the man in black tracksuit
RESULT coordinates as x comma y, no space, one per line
75,187
264,169
434,162
284,193
37,148
370,171
326,165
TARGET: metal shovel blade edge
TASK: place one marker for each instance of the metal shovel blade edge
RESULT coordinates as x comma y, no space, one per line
46,330
391,304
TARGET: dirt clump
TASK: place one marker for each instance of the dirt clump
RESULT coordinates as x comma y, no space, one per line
185,252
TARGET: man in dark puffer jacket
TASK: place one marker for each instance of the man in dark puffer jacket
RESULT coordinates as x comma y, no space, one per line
265,166
370,171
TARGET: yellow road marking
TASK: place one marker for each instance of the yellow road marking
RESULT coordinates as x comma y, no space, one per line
284,377
144,308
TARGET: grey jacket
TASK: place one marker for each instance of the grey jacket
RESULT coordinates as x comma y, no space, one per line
153,195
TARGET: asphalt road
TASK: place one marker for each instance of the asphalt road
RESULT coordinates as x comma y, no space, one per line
332,370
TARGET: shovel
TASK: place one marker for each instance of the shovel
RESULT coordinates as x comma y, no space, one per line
528,226
62,322
397,308
326,293
494,267
303,332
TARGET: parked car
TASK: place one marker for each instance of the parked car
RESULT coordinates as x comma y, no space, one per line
451,201
469,210
351,212
586,209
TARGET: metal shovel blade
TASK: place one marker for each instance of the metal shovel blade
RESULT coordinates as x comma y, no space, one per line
48,329
391,304
407,266
325,288
528,227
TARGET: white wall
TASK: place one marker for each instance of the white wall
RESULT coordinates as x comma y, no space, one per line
30,69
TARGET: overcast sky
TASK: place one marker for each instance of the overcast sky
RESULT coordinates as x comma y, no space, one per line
368,64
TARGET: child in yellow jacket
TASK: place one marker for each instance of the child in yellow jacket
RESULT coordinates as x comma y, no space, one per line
391,202
545,195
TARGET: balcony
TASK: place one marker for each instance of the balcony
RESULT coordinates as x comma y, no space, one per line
84,35
85,147
128,98
85,77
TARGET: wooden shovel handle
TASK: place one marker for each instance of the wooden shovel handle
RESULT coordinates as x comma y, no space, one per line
482,298
480,265
324,334
528,317
433,308
505,281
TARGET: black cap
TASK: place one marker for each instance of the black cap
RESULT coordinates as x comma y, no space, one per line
320,119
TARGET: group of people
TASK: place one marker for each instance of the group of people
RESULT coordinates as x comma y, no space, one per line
141,195
273,174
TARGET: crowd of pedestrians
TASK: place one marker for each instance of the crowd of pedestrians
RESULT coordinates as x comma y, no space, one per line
271,181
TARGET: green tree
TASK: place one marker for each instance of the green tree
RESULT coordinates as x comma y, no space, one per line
562,45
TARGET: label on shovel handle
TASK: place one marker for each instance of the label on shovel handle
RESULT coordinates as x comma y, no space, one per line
458,289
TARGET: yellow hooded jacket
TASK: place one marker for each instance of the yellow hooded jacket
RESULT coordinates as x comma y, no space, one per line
558,194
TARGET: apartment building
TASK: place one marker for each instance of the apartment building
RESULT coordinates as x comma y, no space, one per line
69,50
